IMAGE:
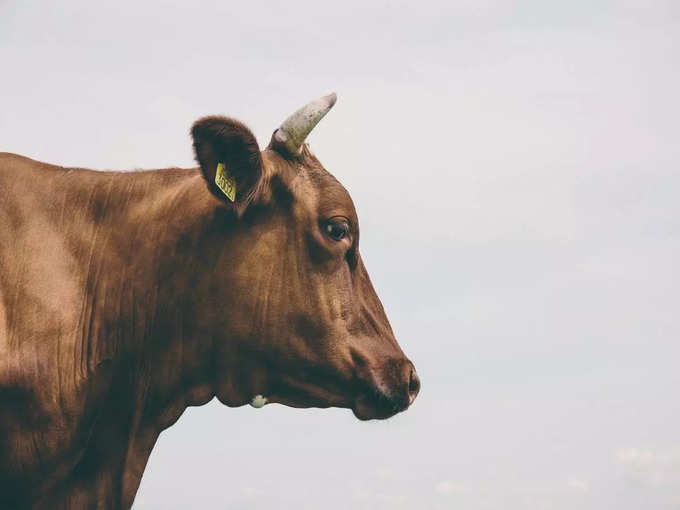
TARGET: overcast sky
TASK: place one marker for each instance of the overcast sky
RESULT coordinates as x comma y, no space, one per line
516,169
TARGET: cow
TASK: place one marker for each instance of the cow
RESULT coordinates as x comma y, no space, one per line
126,297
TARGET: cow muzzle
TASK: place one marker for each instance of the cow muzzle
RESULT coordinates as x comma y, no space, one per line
388,390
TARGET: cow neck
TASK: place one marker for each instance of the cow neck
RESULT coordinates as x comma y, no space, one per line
143,247
156,257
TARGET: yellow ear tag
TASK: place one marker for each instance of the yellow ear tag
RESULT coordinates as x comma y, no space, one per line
225,182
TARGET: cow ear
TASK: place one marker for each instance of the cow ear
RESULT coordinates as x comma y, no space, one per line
230,159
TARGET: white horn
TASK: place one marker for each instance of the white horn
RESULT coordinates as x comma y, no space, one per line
295,128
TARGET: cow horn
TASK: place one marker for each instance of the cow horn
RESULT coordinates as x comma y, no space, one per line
292,133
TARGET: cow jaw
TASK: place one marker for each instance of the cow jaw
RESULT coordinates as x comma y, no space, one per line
302,392
379,392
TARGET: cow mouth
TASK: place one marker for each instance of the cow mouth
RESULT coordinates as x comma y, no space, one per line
366,405
377,406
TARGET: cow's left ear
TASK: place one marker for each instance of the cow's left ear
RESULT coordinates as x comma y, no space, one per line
230,159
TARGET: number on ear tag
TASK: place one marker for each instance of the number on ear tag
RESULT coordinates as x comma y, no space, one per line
225,182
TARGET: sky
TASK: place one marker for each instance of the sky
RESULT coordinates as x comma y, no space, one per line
516,170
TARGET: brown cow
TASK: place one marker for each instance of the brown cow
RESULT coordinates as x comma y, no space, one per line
127,296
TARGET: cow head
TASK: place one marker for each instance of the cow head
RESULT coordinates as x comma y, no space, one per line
292,313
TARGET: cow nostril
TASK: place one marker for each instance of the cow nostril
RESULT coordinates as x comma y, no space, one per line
413,386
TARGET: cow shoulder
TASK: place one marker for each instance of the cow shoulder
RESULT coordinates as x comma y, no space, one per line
51,379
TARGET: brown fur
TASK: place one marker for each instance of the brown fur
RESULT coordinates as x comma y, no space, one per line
127,296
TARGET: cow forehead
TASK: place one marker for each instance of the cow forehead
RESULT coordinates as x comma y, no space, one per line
311,184
332,197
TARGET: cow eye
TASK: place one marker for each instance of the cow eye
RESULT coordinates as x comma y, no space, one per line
337,229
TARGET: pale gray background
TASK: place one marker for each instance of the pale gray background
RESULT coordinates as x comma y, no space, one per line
515,166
